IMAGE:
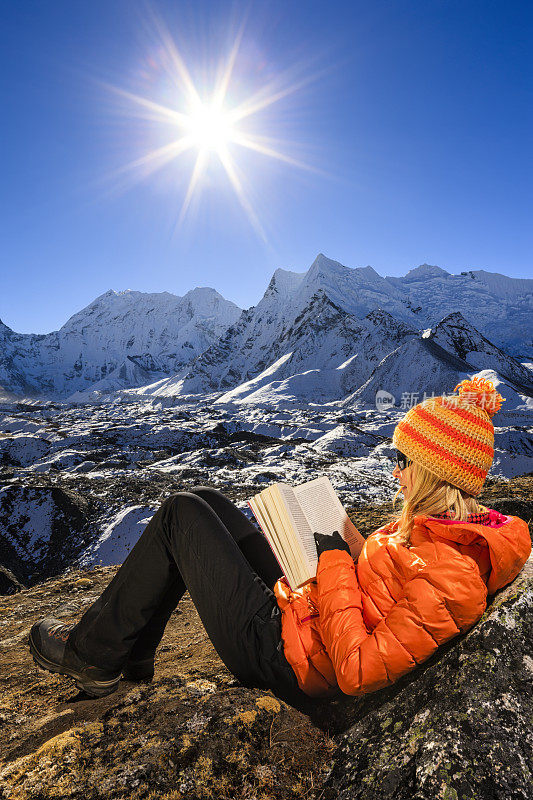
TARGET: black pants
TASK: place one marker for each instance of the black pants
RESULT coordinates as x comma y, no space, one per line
202,542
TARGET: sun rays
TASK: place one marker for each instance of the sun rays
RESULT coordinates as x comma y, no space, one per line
206,124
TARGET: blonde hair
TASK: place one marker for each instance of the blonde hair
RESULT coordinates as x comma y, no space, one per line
431,495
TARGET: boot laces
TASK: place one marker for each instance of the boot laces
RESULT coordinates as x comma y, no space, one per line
59,631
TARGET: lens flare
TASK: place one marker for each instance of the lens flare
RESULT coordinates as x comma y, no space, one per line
207,125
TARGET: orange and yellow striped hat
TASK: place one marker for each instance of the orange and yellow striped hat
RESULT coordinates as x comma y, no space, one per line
452,436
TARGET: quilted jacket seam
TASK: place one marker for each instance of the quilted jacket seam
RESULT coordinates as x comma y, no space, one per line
399,642
384,582
384,664
442,599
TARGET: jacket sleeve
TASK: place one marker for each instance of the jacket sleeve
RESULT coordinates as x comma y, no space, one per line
444,598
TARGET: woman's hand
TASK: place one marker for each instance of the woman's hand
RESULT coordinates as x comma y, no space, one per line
334,542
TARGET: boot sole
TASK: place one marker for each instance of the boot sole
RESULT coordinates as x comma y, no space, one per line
92,687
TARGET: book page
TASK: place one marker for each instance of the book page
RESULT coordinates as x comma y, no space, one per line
301,526
293,548
279,527
287,537
274,537
264,526
325,513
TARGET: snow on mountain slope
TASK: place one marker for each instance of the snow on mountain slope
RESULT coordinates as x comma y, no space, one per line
420,368
254,342
416,366
517,410
285,283
501,308
424,272
356,290
347,441
501,285
314,385
170,329
42,528
129,373
118,538
332,354
456,335
160,331
23,448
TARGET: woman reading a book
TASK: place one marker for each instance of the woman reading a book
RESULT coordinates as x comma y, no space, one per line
419,581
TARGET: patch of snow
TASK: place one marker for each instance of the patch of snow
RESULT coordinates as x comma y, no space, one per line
119,537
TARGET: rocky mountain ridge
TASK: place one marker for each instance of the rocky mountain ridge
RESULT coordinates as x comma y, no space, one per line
151,334
203,343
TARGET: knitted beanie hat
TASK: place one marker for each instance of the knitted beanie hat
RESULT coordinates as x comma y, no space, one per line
452,436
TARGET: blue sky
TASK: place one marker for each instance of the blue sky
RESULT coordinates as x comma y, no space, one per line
415,115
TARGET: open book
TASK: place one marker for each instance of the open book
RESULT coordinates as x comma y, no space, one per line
288,517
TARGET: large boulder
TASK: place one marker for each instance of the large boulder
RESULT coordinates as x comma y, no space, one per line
459,727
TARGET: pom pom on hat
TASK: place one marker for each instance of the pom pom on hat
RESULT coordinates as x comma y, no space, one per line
481,393
453,436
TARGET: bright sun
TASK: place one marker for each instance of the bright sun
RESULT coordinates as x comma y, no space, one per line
209,126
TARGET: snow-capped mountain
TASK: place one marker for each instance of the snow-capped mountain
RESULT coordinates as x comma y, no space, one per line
456,335
322,337
331,318
118,338
390,358
328,354
263,332
286,335
420,368
416,366
501,308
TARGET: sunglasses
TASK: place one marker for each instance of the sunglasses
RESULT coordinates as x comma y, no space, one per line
402,461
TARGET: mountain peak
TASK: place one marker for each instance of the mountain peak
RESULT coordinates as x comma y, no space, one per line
327,266
284,282
201,293
205,300
324,264
424,271
455,317
450,323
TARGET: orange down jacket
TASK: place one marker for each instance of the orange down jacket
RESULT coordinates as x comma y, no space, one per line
359,627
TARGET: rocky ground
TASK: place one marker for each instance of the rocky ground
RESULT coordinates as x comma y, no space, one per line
194,732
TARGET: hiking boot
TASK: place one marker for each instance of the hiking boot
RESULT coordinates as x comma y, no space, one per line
49,646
